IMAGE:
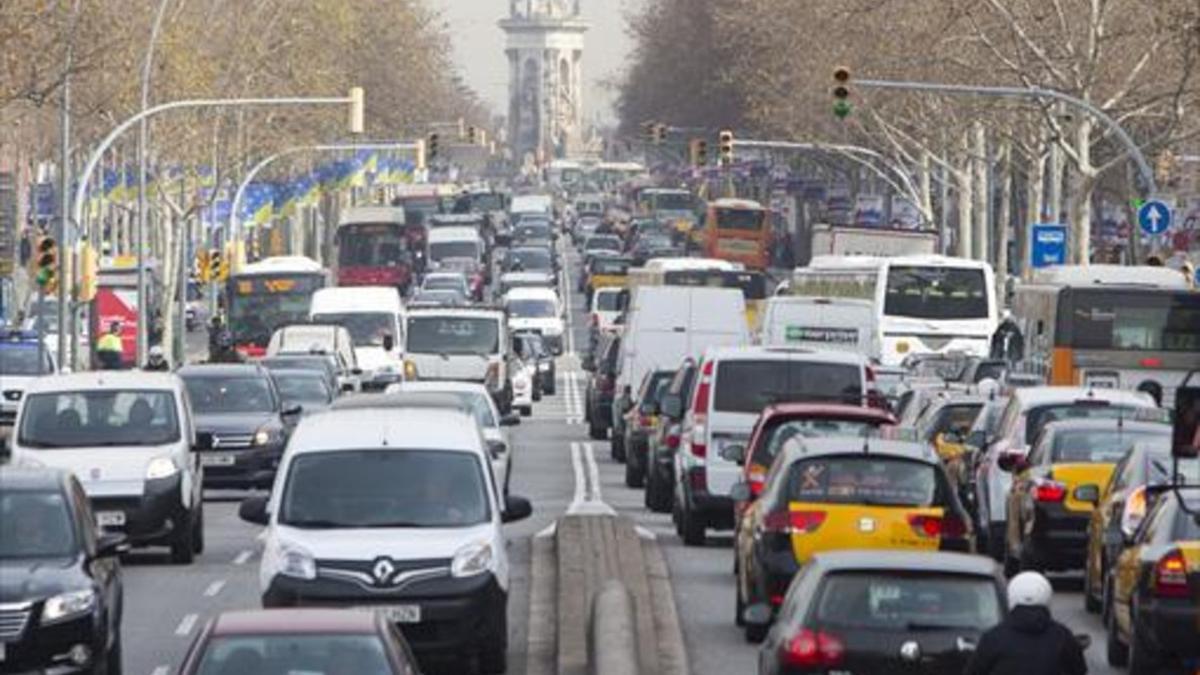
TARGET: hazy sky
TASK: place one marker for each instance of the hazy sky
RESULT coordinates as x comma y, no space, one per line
479,48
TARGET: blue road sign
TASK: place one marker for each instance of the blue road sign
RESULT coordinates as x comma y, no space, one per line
1154,217
1047,245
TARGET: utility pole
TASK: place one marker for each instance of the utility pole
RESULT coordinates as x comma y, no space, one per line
65,331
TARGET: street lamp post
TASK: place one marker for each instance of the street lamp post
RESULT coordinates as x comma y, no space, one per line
354,100
140,225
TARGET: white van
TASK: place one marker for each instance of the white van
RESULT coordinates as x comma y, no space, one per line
733,387
374,316
537,310
537,204
837,324
129,438
459,243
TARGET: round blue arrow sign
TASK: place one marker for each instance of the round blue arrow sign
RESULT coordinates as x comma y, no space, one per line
1154,217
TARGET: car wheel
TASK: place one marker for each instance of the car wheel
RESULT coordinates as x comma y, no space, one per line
1091,602
617,446
596,432
526,410
1117,652
635,477
1028,560
493,656
693,528
198,530
658,496
183,550
1012,564
738,605
995,541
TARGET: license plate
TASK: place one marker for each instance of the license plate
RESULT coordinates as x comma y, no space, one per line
110,518
218,459
403,613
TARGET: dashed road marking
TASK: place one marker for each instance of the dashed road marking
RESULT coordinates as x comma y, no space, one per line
160,670
243,557
214,588
186,625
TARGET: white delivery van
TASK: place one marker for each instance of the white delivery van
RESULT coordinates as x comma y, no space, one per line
666,324
454,243
374,316
834,324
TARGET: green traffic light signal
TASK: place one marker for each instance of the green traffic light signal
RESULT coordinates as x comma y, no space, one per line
842,109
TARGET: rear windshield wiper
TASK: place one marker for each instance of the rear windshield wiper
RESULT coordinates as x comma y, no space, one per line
919,626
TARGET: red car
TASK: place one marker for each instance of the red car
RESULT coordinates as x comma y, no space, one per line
331,641
778,423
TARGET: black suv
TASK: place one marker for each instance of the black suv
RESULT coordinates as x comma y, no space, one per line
60,580
242,425
601,386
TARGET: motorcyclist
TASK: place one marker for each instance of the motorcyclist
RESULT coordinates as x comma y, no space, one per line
225,351
1029,641
156,360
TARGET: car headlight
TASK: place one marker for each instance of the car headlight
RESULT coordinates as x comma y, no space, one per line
68,605
161,467
471,560
410,370
296,562
265,436
492,378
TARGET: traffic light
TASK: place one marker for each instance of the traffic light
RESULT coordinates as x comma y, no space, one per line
726,149
203,266
699,148
841,93
649,131
46,264
472,135
218,265
89,273
431,148
660,134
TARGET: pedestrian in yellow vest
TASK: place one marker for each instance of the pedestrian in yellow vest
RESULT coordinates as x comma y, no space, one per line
109,347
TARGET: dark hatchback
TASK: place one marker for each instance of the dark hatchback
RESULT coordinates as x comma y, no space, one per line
60,580
299,641
242,425
882,612
601,386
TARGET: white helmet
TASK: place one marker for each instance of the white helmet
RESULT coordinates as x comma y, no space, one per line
1029,588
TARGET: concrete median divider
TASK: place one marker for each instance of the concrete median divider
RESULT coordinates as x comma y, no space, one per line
601,601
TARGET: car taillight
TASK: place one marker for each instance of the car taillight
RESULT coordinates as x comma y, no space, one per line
793,522
645,421
954,527
1050,491
703,389
929,527
812,648
756,478
699,444
1170,576
1135,510
672,440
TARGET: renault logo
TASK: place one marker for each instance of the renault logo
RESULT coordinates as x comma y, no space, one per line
910,652
383,570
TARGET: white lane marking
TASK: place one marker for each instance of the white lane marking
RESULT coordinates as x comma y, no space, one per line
214,588
593,473
186,625
262,536
242,557
160,670
587,483
547,531
565,282
580,480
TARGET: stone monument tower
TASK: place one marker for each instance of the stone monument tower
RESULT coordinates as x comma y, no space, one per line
545,78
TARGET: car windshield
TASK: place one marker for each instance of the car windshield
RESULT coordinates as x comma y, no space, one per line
876,481
35,524
1104,446
453,335
531,309
305,654
229,394
318,364
607,302
602,243
21,360
936,293
437,282
366,328
750,386
531,230
778,436
94,418
444,296
384,488
908,601
302,388
453,249
610,266
953,418
531,259
740,219
1037,418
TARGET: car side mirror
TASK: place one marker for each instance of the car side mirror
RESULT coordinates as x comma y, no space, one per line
292,411
1083,640
347,388
496,449
735,453
356,371
204,441
588,363
389,342
510,420
757,615
672,406
977,439
1011,463
1089,493
254,510
516,508
740,492
110,544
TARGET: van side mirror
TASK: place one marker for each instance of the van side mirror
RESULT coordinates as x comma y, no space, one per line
510,420
389,342
516,508
735,453
977,439
254,510
757,615
1012,463
111,544
672,406
204,441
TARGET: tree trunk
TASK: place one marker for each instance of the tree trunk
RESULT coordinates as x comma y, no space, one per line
926,189
1005,218
964,247
1035,195
1085,186
981,241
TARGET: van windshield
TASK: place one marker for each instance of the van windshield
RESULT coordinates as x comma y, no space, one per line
366,328
453,335
453,249
99,418
384,489
750,386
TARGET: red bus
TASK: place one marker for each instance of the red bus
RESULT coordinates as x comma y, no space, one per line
374,248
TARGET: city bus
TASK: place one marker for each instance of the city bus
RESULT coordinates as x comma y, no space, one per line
419,202
270,294
705,272
925,304
1109,326
373,248
738,230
